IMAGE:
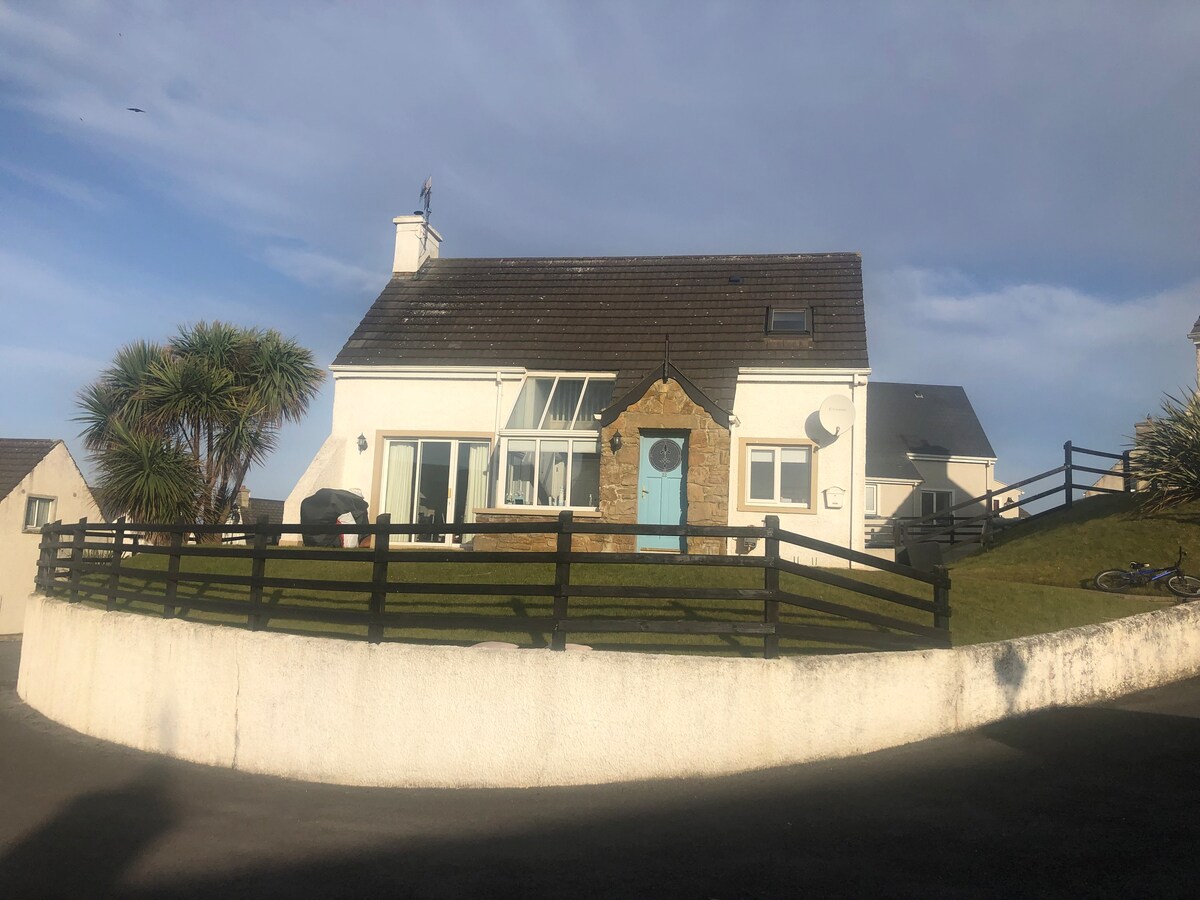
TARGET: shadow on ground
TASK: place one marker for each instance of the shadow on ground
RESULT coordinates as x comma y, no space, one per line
1079,802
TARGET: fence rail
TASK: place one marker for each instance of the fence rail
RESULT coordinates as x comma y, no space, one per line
101,562
945,527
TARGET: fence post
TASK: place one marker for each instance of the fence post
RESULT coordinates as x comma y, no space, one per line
114,574
77,557
379,575
771,585
941,600
562,581
45,573
258,569
1126,473
173,570
1069,474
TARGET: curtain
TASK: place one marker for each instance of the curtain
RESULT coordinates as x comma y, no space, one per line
398,500
477,482
552,473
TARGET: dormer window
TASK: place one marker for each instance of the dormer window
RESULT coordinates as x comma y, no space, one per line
787,320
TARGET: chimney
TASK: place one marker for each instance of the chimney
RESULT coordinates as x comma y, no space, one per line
411,231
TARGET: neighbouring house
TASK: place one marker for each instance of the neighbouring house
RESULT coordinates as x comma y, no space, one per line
926,452
653,390
39,483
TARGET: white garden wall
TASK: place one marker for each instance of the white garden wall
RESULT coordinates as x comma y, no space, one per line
402,715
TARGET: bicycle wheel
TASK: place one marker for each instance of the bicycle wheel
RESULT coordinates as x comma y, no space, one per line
1184,586
1113,580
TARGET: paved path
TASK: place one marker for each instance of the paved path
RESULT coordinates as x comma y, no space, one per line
1083,802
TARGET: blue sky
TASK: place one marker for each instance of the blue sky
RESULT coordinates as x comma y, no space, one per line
1022,179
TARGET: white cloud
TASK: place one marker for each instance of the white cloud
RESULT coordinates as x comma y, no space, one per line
322,271
1042,363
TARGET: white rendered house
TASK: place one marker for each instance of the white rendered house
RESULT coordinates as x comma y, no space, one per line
39,483
660,390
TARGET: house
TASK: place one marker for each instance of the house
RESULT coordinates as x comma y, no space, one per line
926,452
655,390
39,483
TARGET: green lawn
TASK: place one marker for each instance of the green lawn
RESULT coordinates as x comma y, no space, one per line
1036,580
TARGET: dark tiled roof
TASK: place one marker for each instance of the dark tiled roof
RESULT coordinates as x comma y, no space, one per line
272,509
613,313
19,457
930,419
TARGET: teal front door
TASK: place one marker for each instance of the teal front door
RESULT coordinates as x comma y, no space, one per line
662,489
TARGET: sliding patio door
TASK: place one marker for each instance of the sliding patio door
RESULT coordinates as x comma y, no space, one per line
434,482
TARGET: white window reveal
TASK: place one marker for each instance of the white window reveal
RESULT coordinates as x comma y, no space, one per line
542,465
37,512
779,475
431,481
872,500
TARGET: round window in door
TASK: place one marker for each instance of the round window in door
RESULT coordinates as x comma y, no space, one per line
665,455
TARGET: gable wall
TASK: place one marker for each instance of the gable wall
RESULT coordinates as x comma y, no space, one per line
58,477
966,479
782,408
380,405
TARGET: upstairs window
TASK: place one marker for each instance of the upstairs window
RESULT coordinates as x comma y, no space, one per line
560,403
37,512
784,320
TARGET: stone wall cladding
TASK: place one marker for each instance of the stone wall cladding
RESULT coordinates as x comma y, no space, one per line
664,407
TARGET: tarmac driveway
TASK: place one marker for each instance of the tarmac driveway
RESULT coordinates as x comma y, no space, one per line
1101,801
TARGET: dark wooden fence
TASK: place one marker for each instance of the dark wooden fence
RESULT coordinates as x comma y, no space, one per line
93,562
980,527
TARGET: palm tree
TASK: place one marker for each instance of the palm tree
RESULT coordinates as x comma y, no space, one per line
175,428
1166,454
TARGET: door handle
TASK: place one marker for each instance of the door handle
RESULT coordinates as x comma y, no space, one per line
645,491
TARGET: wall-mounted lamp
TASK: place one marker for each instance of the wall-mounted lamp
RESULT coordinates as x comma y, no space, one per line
615,442
362,443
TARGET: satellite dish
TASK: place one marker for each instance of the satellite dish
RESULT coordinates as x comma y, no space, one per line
836,414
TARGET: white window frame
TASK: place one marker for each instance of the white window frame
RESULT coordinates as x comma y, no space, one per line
871,500
746,502
30,501
541,434
457,444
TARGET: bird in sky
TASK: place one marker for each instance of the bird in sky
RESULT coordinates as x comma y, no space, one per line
134,109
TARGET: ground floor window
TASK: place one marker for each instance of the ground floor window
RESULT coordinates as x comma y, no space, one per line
551,472
430,481
37,512
936,501
778,475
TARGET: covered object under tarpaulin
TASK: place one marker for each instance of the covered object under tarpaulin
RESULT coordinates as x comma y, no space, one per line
324,507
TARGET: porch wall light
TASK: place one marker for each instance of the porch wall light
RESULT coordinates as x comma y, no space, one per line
615,442
362,443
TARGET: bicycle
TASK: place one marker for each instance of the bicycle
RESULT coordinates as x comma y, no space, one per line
1140,574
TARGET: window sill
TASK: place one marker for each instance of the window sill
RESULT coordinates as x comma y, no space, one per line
778,509
583,513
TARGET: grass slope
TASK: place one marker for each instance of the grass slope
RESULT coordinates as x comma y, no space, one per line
1036,580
